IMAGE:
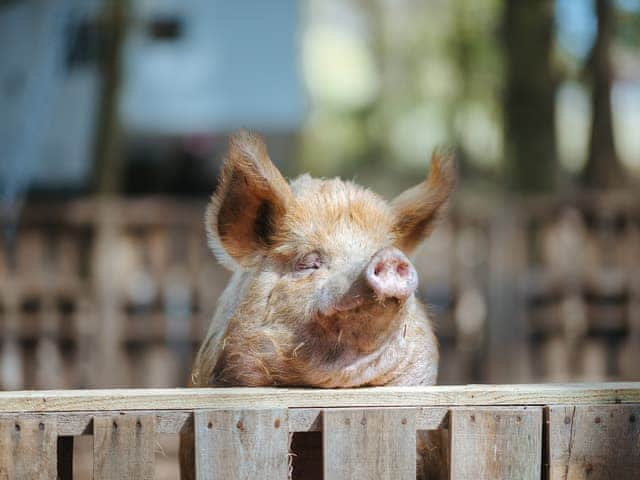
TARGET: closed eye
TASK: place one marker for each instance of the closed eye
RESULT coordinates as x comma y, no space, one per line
311,261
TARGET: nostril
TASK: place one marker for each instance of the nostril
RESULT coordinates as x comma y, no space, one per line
378,269
402,269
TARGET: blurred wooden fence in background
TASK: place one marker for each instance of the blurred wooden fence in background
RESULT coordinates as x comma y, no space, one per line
105,293
119,292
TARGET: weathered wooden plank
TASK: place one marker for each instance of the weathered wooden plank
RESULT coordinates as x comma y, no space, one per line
242,444
496,443
233,398
426,418
181,421
123,447
81,423
432,418
594,442
369,443
28,449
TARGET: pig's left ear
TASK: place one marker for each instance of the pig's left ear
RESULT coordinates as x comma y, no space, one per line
247,207
418,209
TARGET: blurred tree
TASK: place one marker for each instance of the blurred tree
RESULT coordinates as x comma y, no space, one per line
530,143
603,169
108,166
476,83
627,23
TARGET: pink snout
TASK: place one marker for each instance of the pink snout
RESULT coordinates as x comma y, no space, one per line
391,275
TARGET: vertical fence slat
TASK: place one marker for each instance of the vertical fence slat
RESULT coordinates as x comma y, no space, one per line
594,442
28,449
123,447
496,443
242,444
369,443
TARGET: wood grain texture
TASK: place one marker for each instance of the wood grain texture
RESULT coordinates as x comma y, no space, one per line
81,423
496,443
28,449
123,447
242,444
234,398
181,421
594,442
426,418
377,444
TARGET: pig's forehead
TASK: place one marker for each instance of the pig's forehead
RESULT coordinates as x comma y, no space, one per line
337,213
335,191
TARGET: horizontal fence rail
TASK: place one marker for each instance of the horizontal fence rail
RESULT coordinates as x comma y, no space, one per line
549,431
192,398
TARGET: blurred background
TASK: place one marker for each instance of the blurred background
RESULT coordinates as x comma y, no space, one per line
114,116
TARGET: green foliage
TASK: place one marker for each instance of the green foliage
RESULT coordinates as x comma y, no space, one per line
393,80
432,75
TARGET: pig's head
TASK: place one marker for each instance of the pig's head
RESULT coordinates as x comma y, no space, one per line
324,258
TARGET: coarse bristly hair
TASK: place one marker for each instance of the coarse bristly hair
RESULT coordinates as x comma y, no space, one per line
230,210
298,310
259,225
417,209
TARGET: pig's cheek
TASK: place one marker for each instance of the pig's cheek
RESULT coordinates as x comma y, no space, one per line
281,295
303,294
289,298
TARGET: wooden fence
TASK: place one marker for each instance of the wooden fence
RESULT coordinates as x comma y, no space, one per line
108,293
552,431
118,292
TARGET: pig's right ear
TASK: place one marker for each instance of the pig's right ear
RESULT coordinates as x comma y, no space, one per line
248,205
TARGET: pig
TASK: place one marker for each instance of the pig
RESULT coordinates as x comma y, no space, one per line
323,290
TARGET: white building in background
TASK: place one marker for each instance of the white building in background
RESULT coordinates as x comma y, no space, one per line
49,93
195,66
189,67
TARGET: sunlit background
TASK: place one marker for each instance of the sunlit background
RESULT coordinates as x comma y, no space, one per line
114,117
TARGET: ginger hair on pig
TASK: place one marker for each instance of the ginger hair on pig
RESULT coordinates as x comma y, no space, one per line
266,330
